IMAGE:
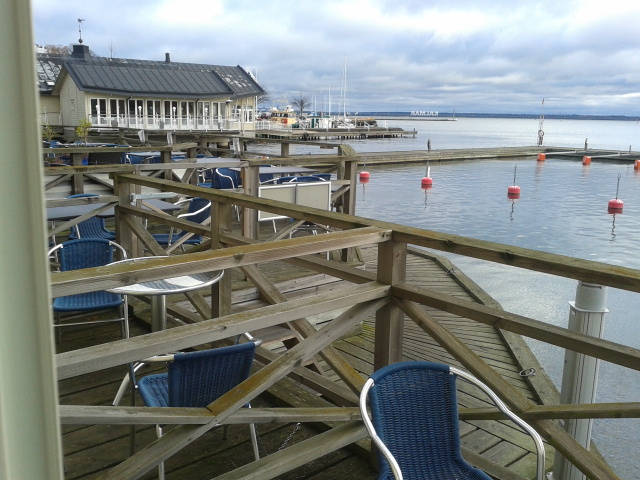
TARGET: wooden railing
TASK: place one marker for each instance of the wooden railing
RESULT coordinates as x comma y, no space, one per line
386,293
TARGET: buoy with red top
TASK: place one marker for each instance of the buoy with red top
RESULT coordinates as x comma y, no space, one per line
427,181
513,191
365,176
615,204
542,157
586,160
636,165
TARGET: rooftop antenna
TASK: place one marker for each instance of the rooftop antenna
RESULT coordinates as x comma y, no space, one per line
111,50
540,125
80,20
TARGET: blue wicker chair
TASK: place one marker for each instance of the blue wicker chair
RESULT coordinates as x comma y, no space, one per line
304,178
225,178
198,212
196,379
94,227
415,422
87,253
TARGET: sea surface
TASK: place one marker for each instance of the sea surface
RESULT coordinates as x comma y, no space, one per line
562,209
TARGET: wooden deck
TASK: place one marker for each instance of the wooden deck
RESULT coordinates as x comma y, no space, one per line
91,449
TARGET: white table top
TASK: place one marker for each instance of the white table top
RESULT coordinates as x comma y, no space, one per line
180,284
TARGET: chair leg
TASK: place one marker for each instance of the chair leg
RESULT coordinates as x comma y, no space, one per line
57,328
161,464
254,438
254,441
125,317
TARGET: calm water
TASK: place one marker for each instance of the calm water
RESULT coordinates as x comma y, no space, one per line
562,209
494,132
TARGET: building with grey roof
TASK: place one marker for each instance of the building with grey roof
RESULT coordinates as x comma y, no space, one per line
144,94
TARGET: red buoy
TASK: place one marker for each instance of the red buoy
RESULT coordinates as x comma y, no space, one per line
365,176
427,182
542,157
513,191
615,205
636,165
586,160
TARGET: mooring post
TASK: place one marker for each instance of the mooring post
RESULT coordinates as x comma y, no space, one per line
580,373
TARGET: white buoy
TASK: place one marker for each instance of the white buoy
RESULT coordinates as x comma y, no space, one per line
580,374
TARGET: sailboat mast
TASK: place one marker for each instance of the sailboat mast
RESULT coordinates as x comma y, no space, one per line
344,91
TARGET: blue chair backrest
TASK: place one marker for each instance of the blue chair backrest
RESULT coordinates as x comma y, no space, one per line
84,253
265,177
93,227
221,181
208,175
198,378
301,179
414,411
196,204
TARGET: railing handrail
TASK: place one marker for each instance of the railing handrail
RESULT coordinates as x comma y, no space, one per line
587,270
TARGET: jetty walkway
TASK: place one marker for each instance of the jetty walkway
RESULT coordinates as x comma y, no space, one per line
312,300
498,447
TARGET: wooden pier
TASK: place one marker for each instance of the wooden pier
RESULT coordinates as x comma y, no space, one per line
356,133
391,302
499,448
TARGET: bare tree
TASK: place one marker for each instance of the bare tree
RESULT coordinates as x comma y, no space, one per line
300,103
58,49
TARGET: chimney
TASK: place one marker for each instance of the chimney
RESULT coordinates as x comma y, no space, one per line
167,59
80,51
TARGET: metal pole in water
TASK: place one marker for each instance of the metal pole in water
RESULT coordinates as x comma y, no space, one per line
580,373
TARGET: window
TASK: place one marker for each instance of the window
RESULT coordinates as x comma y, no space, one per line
135,108
98,111
153,111
117,109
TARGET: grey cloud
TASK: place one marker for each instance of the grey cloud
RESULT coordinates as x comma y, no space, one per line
584,62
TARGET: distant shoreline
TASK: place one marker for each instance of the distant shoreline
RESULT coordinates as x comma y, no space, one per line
445,115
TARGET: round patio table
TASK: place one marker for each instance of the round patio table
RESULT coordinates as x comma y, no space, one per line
159,289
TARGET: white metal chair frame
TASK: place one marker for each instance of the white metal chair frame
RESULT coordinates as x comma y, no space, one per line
395,468
185,215
124,307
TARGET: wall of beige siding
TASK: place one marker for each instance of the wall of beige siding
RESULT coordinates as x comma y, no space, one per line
50,110
72,103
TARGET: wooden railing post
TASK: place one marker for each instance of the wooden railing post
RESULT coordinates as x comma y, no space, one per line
77,185
250,183
348,200
124,235
165,156
392,258
221,291
284,149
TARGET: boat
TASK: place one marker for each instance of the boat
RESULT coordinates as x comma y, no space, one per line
285,116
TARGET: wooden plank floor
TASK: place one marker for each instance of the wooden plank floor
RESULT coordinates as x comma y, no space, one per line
91,449
500,442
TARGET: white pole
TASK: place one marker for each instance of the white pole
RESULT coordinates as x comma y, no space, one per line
344,92
29,430
580,374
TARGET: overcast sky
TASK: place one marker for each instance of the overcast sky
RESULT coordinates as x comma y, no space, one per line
472,56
